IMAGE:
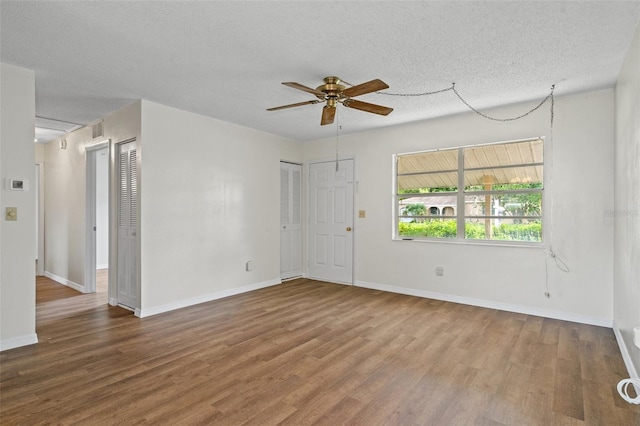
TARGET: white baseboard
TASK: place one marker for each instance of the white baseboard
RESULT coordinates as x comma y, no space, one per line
16,342
154,310
528,310
105,266
291,278
65,281
626,356
324,280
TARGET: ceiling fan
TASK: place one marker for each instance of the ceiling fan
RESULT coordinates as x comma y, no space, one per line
332,92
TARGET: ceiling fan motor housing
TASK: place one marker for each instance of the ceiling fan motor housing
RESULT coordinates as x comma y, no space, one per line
332,90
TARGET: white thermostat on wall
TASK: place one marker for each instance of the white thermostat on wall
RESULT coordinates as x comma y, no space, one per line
17,185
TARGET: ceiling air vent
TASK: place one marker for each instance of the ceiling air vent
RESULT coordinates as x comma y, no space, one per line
97,130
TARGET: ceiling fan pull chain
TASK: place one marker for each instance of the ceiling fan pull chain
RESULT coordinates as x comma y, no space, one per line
338,128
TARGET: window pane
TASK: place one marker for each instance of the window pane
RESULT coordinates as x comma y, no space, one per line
505,178
425,172
526,230
425,183
427,228
428,216
516,217
508,154
505,205
433,161
410,206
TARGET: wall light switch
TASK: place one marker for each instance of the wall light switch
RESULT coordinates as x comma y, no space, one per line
11,213
361,214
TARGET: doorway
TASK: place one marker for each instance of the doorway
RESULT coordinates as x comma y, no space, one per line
331,221
97,211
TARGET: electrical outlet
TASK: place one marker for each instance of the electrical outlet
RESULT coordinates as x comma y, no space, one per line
439,271
249,265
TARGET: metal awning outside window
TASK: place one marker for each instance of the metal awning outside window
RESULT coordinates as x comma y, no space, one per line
511,163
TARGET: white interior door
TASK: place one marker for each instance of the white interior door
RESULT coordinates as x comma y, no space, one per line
127,224
290,220
331,221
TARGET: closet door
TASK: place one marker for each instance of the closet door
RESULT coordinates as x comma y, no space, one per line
290,220
127,224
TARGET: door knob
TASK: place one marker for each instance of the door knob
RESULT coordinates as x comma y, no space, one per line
348,229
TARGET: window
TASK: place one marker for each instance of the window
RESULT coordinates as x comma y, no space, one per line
482,192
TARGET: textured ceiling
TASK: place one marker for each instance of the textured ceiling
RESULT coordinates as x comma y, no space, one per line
227,59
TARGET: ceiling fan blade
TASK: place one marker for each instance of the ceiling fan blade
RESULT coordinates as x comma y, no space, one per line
365,106
368,87
328,115
294,105
303,88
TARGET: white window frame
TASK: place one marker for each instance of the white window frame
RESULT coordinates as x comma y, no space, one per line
460,194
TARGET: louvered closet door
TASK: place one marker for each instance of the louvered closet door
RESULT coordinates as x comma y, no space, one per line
290,220
127,224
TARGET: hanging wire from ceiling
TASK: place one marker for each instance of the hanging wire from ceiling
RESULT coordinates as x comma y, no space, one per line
452,88
418,94
548,97
338,128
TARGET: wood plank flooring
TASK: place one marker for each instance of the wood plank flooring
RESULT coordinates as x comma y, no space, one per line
309,353
102,280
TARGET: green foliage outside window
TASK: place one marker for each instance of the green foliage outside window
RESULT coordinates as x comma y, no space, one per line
427,190
416,209
531,231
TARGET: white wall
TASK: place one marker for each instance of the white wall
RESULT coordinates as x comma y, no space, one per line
200,221
18,247
291,151
102,208
626,214
64,199
578,182
209,203
65,195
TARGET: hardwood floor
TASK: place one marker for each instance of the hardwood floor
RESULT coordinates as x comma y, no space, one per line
102,280
306,352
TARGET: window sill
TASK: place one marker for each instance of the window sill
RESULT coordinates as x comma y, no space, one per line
494,243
